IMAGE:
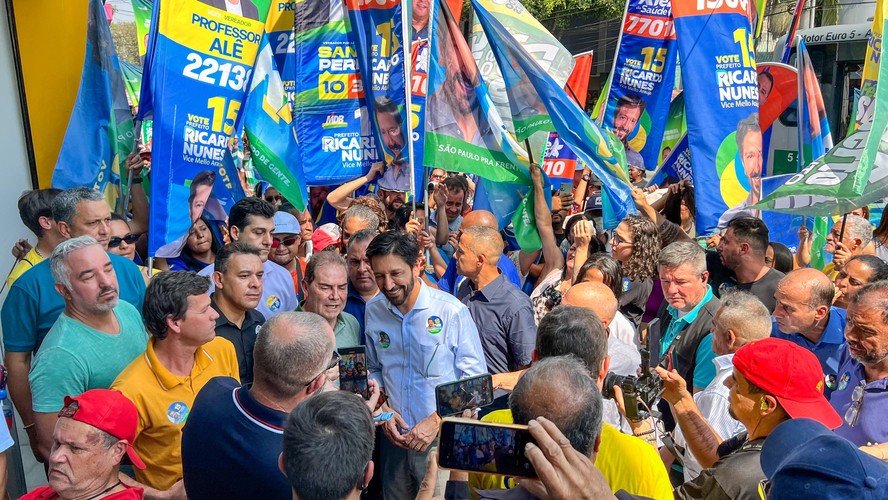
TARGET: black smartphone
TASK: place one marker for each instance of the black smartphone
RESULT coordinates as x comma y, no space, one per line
353,370
474,446
453,398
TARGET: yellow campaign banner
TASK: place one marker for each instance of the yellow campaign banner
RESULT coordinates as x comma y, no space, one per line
870,69
51,47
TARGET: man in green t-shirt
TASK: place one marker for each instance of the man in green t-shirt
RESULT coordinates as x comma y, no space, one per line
93,340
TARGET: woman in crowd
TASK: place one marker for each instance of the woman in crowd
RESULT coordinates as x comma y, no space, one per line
778,257
122,242
680,208
858,271
636,245
200,249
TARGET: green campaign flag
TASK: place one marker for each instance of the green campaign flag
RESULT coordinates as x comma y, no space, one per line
852,174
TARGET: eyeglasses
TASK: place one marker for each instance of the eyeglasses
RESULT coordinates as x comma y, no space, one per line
286,241
853,411
334,361
617,239
274,198
116,241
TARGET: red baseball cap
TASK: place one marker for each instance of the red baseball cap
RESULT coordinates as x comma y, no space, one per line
790,373
325,236
109,411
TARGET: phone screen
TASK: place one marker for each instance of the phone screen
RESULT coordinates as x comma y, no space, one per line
455,397
480,447
353,370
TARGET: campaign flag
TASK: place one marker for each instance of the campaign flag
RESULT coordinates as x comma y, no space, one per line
676,167
601,152
758,10
142,18
559,162
640,90
268,123
721,100
675,129
281,37
132,80
464,131
336,141
815,133
201,58
100,131
871,68
379,43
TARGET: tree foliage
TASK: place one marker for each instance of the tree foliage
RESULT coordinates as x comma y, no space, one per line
125,41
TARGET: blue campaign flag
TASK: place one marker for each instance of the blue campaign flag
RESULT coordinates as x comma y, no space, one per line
590,143
100,130
676,167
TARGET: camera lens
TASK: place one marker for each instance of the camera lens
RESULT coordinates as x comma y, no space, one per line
610,380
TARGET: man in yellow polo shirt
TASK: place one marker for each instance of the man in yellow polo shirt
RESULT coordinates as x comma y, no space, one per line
627,462
183,354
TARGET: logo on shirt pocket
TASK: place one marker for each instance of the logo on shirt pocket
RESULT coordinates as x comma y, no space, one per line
384,340
177,412
273,303
435,325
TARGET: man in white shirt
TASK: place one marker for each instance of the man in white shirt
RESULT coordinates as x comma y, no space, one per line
742,318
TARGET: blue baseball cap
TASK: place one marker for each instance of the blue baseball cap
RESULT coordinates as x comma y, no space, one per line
286,223
804,459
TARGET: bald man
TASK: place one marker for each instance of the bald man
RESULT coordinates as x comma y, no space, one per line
454,283
805,315
502,313
598,298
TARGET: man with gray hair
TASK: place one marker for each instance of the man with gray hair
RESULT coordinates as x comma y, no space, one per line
356,218
233,436
742,318
95,338
502,313
326,286
857,234
686,314
33,305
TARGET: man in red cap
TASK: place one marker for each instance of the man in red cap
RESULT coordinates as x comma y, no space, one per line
93,432
774,380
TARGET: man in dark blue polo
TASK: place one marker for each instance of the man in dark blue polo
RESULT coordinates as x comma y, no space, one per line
804,314
861,396
502,313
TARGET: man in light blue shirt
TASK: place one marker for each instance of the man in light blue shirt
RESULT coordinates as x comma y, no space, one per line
417,338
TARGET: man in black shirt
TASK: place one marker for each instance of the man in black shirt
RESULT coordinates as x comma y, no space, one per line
238,279
740,261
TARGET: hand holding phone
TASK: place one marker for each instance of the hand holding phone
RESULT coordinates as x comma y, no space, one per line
474,446
353,371
466,394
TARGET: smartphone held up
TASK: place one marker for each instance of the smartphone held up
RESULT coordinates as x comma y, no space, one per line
473,446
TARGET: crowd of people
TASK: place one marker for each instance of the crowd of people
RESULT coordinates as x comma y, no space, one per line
216,374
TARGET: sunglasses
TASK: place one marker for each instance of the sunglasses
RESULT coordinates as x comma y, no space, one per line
286,241
853,411
116,241
273,198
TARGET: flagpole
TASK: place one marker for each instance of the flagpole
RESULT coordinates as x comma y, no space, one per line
800,89
406,45
130,175
793,27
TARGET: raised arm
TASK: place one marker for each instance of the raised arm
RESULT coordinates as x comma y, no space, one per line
554,259
339,197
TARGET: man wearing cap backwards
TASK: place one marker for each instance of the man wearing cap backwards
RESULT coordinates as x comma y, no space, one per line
93,432
773,381
861,395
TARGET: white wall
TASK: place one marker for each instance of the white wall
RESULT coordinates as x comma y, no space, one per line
15,174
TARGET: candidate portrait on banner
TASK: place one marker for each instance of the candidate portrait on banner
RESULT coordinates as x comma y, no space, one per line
245,8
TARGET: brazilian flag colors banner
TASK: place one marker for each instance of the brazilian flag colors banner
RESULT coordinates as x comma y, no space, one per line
268,122
142,18
559,162
100,130
545,97
721,98
377,33
336,141
199,72
640,90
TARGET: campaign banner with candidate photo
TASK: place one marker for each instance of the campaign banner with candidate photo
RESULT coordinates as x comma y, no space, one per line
463,130
142,18
600,151
100,131
640,89
201,64
336,141
559,161
377,33
721,101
